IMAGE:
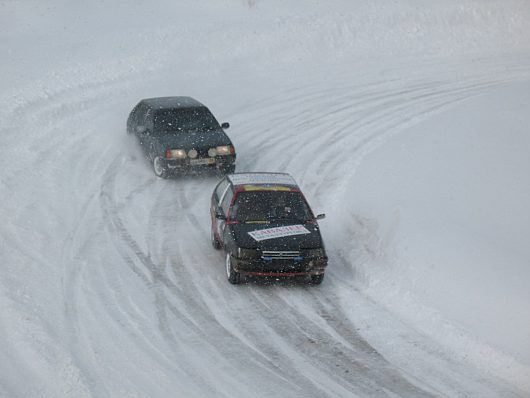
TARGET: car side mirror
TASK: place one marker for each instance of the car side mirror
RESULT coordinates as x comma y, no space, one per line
141,129
225,125
321,216
219,214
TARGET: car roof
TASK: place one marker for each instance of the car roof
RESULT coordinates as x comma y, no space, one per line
264,180
172,102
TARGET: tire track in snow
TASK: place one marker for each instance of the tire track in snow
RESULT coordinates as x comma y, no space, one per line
163,305
219,322
40,118
421,101
280,339
201,318
147,270
185,268
385,111
159,283
350,361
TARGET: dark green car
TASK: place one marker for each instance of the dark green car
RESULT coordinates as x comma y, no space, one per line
266,228
180,135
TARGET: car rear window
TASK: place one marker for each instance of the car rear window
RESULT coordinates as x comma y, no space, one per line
178,120
270,206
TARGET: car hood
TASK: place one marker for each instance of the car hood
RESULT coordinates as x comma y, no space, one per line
188,140
243,239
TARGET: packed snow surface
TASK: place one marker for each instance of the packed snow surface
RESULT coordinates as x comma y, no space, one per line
406,122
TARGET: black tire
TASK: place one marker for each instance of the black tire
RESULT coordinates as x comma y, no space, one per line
160,168
317,279
233,276
215,243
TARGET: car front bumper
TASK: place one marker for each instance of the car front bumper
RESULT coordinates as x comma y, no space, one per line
279,268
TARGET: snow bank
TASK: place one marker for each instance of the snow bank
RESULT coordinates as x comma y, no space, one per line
444,217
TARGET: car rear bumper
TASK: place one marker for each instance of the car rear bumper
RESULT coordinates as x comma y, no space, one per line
219,163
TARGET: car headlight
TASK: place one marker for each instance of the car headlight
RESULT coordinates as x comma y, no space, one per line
175,154
212,152
247,253
223,150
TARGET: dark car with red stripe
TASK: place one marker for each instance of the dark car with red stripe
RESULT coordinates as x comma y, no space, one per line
180,135
266,228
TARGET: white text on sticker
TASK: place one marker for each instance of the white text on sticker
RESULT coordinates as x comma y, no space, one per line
278,232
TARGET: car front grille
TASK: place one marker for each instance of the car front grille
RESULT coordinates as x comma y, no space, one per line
269,255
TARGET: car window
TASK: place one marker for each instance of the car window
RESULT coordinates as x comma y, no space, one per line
131,120
219,190
139,115
177,120
226,200
271,206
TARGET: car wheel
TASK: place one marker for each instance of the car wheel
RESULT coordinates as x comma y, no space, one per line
233,276
151,153
215,243
317,279
159,167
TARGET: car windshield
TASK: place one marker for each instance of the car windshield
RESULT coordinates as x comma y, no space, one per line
263,206
174,121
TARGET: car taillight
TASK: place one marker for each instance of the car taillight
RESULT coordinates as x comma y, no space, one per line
168,153
222,150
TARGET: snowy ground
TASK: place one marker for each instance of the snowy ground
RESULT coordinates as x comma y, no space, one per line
412,120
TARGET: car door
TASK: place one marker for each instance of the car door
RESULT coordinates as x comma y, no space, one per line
152,139
145,132
217,194
224,205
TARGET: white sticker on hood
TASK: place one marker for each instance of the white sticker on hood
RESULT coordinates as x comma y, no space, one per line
278,232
